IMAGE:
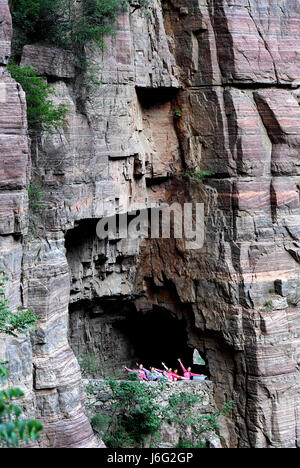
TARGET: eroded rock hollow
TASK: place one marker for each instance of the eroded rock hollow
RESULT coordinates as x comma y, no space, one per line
199,85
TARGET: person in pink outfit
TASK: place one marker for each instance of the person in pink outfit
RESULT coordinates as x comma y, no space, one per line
173,375
188,374
176,376
140,372
152,375
167,372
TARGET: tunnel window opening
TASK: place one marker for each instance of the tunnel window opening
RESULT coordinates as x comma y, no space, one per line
151,97
114,335
77,236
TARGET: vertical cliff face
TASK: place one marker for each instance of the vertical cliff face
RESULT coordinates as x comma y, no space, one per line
232,70
240,68
45,367
14,179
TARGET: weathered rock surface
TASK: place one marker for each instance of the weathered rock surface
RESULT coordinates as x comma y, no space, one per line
45,368
14,163
233,70
248,137
87,171
99,400
5,32
49,61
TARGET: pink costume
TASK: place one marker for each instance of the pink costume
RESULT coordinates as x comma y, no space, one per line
177,377
172,375
141,374
168,374
187,374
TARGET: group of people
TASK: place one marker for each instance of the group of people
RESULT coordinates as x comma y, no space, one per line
158,375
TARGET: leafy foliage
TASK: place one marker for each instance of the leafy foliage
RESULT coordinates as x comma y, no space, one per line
59,22
92,366
14,323
177,113
200,175
100,422
42,114
88,364
187,444
184,410
12,427
135,417
35,195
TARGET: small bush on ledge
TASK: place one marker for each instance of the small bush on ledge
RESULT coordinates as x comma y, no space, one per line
199,175
14,323
42,113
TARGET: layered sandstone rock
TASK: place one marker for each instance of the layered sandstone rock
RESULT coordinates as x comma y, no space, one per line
97,165
45,368
246,116
5,32
49,61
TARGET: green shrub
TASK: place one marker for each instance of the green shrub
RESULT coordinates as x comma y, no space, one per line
35,195
58,22
92,366
200,175
111,369
11,323
184,411
42,113
36,17
100,422
177,113
136,416
89,364
187,444
12,428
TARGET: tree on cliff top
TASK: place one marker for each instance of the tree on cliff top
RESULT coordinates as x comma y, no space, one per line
66,24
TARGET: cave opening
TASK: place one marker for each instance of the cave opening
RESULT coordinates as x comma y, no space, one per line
114,334
153,97
107,330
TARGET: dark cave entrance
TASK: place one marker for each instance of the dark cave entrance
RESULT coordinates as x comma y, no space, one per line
151,97
107,334
113,334
156,336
